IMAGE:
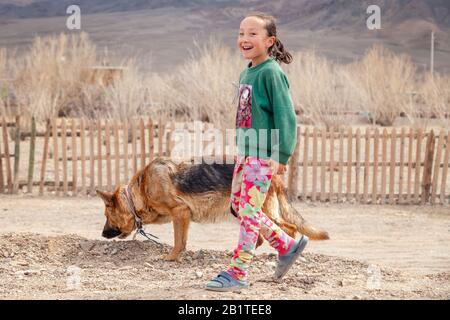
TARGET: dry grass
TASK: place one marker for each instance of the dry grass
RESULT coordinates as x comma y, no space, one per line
319,90
5,79
3,91
433,101
205,86
55,78
3,58
382,82
50,76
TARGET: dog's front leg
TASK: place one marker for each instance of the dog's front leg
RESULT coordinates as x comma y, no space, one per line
181,220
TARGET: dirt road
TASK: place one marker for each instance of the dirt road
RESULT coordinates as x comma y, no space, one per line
50,248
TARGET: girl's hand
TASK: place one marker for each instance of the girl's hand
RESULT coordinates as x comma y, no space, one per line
277,167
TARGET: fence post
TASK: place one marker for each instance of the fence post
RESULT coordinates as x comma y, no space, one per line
160,137
428,166
293,171
2,189
44,158
55,154
31,158
151,146
169,141
16,156
7,156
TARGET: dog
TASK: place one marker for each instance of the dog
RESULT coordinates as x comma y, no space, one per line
165,191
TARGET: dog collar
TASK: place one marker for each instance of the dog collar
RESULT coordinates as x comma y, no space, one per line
137,220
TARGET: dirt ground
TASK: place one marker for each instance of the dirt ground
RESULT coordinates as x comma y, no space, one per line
50,248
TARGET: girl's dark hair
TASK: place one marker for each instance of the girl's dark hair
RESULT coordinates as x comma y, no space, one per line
277,51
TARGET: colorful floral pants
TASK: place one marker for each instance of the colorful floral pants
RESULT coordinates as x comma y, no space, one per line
251,181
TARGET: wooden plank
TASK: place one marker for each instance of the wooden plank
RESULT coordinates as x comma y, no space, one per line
327,163
64,155
417,166
168,150
51,187
348,184
121,157
345,135
108,155
341,163
142,139
133,147
305,166
16,156
9,180
383,165
322,165
358,166
203,137
314,168
31,155
125,149
366,165
445,169
224,142
2,181
392,166
160,137
427,169
55,154
102,127
437,164
74,159
169,139
151,141
91,159
293,171
402,164
83,156
375,166
99,155
352,195
409,193
116,153
332,164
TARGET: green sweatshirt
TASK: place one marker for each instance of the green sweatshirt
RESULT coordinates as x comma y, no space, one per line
266,123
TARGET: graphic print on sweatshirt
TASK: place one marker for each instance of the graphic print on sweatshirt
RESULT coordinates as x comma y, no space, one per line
244,112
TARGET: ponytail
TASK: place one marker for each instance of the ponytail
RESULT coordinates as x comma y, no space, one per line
280,54
277,50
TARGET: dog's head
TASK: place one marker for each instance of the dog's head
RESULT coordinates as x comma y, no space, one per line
119,220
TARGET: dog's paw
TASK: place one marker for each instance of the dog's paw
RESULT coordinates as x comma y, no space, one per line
172,257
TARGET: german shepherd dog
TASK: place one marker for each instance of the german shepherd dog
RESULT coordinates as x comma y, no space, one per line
165,192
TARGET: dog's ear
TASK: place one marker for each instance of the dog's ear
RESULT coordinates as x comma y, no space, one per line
106,196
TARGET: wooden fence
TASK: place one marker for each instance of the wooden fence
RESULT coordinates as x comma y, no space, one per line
403,166
76,156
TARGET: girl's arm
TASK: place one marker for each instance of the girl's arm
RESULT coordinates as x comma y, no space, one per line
284,115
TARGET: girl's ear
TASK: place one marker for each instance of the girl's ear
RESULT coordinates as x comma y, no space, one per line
271,41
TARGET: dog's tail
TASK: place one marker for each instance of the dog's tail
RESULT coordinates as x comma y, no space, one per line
291,215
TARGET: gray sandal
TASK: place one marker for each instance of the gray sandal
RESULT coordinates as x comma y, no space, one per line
225,282
286,261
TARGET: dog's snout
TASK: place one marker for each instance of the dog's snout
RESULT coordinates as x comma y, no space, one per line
110,233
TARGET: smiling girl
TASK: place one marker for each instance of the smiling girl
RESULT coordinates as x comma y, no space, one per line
266,136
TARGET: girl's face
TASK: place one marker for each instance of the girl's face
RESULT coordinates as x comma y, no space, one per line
253,41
